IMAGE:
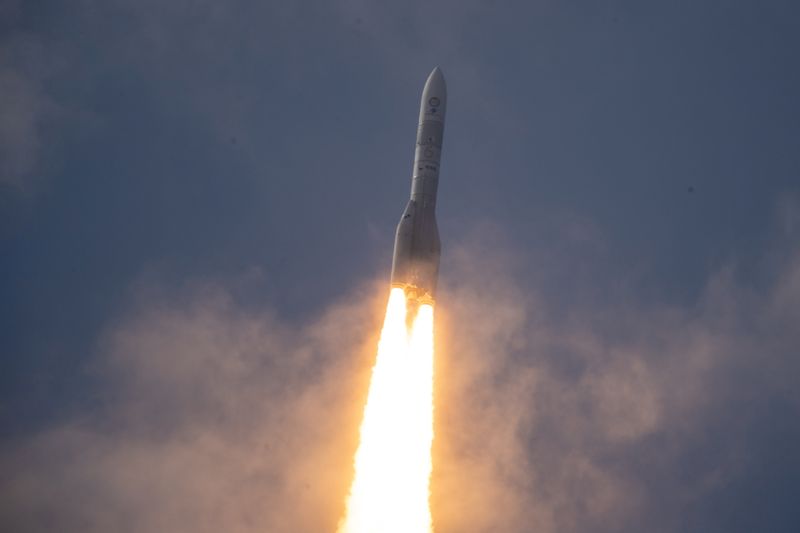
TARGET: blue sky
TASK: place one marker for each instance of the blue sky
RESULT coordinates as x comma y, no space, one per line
197,207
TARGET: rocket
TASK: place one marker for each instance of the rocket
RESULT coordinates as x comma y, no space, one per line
415,264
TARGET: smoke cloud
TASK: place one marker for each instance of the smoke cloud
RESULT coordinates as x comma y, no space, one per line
616,415
613,415
209,418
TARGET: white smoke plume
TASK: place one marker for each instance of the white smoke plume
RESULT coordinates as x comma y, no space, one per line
214,416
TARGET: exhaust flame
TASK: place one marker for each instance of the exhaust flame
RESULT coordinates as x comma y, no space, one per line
390,490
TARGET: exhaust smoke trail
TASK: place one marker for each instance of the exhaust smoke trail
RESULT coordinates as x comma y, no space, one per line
390,490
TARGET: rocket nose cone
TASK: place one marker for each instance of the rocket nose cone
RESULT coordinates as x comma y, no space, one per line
436,84
434,97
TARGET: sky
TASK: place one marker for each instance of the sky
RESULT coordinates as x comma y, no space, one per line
197,208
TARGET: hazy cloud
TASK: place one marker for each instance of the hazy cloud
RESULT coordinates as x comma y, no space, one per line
215,416
209,418
613,417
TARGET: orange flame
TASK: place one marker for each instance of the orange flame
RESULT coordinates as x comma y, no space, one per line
390,490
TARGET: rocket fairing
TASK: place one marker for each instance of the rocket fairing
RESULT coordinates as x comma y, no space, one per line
415,265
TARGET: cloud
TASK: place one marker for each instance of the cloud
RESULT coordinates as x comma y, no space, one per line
209,418
613,416
26,107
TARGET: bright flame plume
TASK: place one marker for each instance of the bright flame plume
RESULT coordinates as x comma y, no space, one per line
390,489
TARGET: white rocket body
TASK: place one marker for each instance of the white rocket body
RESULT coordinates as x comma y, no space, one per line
415,266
